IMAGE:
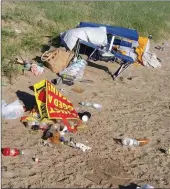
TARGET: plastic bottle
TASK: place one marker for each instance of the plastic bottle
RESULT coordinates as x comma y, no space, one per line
75,69
145,186
68,82
68,77
134,142
94,105
97,106
61,80
11,152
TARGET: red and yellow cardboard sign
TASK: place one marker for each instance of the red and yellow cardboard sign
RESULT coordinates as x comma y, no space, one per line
52,104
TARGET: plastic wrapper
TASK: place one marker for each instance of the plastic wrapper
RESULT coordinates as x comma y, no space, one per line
12,111
75,69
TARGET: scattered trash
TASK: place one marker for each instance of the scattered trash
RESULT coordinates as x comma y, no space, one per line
40,64
36,126
145,186
150,59
55,139
57,60
60,80
165,150
68,77
11,152
94,105
160,48
64,131
62,89
36,159
75,69
82,146
134,142
68,82
52,105
36,70
12,111
150,37
57,81
46,143
54,114
32,119
74,144
47,134
27,66
85,116
22,61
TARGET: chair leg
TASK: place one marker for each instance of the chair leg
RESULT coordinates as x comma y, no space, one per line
92,54
122,68
77,49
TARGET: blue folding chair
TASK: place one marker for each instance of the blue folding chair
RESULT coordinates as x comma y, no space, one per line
113,31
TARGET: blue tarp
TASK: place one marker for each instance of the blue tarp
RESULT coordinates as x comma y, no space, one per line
114,30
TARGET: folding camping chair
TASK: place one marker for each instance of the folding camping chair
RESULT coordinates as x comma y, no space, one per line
125,61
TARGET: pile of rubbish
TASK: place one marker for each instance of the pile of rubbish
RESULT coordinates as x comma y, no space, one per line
53,114
35,67
110,43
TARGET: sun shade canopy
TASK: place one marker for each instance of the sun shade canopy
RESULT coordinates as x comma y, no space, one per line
114,30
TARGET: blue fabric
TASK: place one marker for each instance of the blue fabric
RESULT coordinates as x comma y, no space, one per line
122,43
89,44
117,54
123,57
114,30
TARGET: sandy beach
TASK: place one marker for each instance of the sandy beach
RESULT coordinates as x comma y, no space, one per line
136,105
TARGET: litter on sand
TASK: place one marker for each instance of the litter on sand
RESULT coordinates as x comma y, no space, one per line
12,111
54,116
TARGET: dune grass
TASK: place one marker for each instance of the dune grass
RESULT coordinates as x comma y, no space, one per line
25,25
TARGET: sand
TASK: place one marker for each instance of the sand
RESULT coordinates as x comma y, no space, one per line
136,105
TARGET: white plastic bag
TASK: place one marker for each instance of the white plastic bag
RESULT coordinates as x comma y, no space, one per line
75,69
13,110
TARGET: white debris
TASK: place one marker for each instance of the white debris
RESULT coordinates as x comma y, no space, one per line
82,147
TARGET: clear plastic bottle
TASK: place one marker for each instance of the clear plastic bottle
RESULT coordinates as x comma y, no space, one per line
134,142
94,105
75,69
130,142
97,106
145,186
